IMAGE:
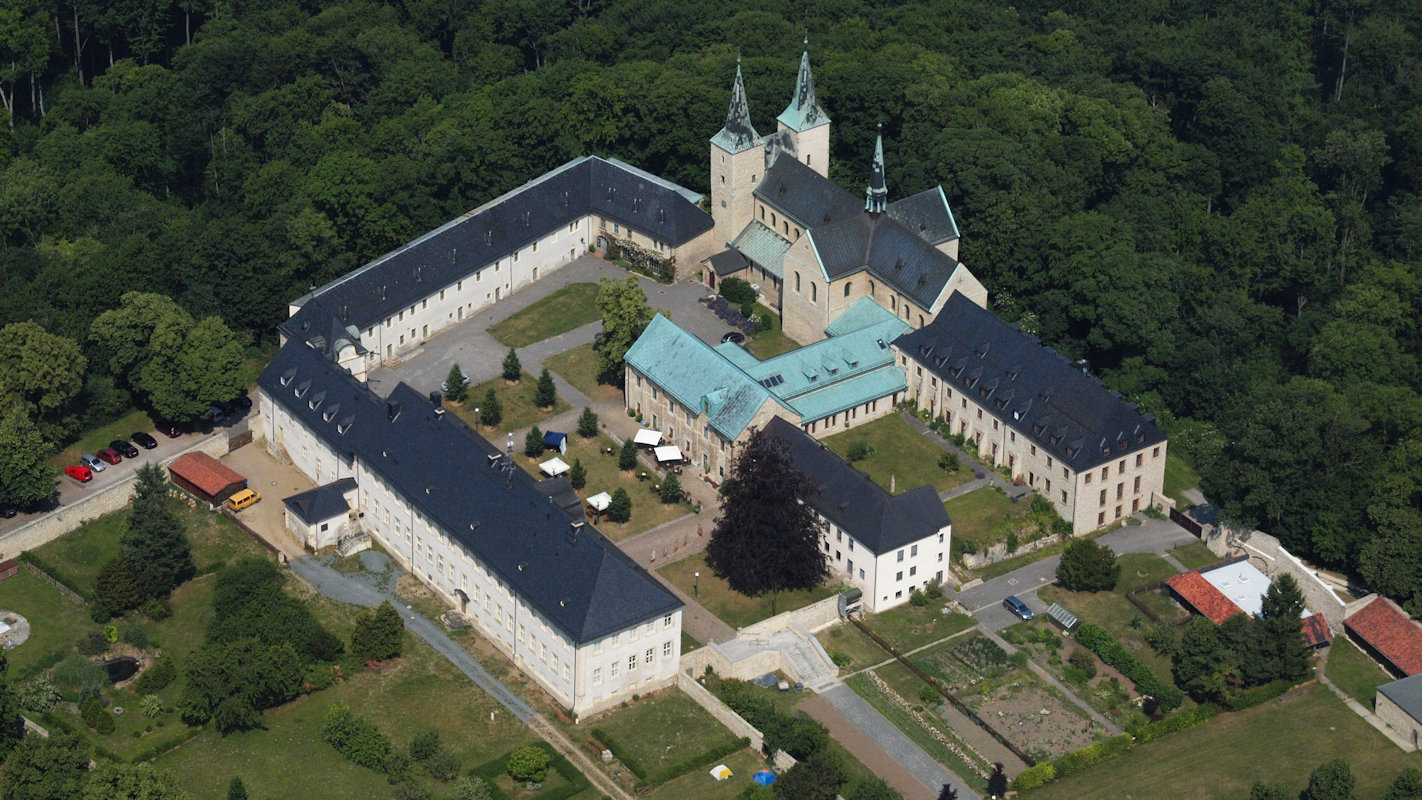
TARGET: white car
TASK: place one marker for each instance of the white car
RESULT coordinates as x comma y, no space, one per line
444,385
92,462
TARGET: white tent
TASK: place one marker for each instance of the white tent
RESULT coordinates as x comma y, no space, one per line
554,467
720,772
667,453
649,438
600,501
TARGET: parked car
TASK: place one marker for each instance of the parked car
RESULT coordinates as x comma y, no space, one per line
92,462
78,473
444,384
170,429
7,511
243,402
123,447
242,499
144,440
110,456
217,413
1017,607
228,410
734,337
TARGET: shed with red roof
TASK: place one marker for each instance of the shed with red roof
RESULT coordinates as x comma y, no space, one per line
1389,635
206,477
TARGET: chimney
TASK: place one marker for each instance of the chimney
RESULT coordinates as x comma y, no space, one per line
392,410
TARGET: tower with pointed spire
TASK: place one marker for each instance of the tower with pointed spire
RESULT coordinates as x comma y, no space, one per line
876,199
806,122
736,165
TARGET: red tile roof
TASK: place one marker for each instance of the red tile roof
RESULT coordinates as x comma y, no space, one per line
1391,633
1203,596
1315,630
205,472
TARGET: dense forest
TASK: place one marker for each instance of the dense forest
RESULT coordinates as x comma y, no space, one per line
1217,204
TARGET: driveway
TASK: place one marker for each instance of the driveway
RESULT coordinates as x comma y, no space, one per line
984,601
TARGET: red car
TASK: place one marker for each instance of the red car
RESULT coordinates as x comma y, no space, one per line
109,456
78,473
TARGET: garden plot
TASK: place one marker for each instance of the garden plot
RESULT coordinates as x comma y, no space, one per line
966,662
1034,717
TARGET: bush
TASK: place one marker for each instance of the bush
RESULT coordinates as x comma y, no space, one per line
99,613
357,739
378,633
1084,661
137,637
1093,754
92,643
37,696
1174,723
94,716
1250,698
471,788
157,677
529,763
918,598
737,291
1088,567
933,590
1103,644
156,609
152,707
949,463
424,745
858,451
441,766
1032,777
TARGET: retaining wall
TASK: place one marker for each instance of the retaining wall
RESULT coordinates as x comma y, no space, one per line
1273,558
703,697
812,618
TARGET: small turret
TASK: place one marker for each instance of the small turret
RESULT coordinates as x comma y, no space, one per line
877,196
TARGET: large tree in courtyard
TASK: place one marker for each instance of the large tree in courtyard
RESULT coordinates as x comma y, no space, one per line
1281,631
625,313
1088,567
767,539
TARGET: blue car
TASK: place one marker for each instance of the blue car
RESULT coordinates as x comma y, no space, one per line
1017,607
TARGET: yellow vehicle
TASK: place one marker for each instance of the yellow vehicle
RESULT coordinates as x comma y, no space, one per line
242,499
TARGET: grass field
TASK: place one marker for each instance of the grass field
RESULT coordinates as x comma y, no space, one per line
908,627
517,402
899,456
848,642
1281,740
55,621
1351,670
1194,555
1179,476
700,785
661,731
1112,611
578,366
734,608
1141,569
771,343
984,516
566,309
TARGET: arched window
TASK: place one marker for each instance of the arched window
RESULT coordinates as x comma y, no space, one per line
807,159
773,221
846,288
893,302
786,227
814,292
723,180
871,288
797,282
762,213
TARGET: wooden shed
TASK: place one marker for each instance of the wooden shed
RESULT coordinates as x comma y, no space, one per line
206,477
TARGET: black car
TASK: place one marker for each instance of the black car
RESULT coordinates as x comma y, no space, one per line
124,448
243,402
7,511
144,440
734,337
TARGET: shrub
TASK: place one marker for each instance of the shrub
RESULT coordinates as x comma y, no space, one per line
137,637
92,643
151,706
858,451
949,463
1103,644
424,745
94,716
933,590
918,598
37,696
111,634
1174,723
1032,777
156,609
1250,698
1088,567
157,677
1093,754
472,788
357,739
99,613
529,763
1083,660
378,633
441,766
737,291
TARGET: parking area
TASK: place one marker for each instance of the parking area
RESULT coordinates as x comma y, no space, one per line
274,481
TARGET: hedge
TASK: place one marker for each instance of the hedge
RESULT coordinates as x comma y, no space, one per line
1250,698
1097,640
1093,754
633,765
577,781
1174,723
676,769
1032,777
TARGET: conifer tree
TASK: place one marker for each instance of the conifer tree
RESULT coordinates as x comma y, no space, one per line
627,459
578,475
546,395
513,369
533,443
587,423
491,413
456,389
620,508
155,541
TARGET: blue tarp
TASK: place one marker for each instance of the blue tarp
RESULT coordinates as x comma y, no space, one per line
765,777
556,441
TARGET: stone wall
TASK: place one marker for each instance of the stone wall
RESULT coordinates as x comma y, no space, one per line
812,618
111,498
1408,729
703,697
1269,555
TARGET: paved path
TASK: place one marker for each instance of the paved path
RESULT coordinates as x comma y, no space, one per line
881,745
985,474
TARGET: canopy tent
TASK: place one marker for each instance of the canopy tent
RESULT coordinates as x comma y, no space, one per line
667,453
720,772
765,777
600,501
554,440
554,467
648,437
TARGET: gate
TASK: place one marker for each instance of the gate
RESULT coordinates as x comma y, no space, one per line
1185,522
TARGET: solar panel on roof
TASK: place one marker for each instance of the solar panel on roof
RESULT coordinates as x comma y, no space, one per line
773,381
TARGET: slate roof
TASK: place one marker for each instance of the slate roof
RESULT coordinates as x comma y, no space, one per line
888,250
321,503
852,501
460,247
738,133
581,583
1203,596
1407,694
926,214
1030,387
1391,633
762,246
698,376
728,262
805,196
205,472
561,494
804,111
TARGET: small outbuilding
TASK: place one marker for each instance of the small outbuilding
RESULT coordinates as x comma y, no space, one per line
318,516
205,477
1389,635
1399,704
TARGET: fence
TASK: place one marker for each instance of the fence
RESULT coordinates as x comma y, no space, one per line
1185,522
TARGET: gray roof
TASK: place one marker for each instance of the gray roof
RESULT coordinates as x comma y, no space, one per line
727,262
804,111
573,576
856,504
926,214
457,249
321,503
1407,694
893,253
561,494
1029,386
763,247
805,196
738,134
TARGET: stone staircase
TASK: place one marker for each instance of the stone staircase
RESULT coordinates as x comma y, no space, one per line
792,649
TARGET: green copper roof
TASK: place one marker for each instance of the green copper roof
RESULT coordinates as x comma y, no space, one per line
763,246
738,134
863,314
804,111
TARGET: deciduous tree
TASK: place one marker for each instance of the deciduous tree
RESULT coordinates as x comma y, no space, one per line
1331,780
26,478
46,768
1088,567
42,371
625,314
116,781
767,539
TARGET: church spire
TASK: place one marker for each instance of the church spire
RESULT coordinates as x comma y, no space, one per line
738,133
877,196
804,111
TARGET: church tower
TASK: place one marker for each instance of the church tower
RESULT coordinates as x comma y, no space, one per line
807,123
876,198
736,165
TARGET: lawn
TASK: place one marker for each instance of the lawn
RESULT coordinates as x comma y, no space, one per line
1179,476
908,627
55,621
1351,670
663,731
851,648
578,366
568,308
1112,611
734,608
1141,569
1281,740
648,510
1194,555
773,342
899,456
984,517
517,402
700,785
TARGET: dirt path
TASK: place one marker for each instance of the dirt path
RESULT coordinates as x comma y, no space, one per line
867,750
579,758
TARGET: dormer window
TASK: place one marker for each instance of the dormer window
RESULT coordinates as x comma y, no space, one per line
345,424
301,388
330,412
288,376
316,400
